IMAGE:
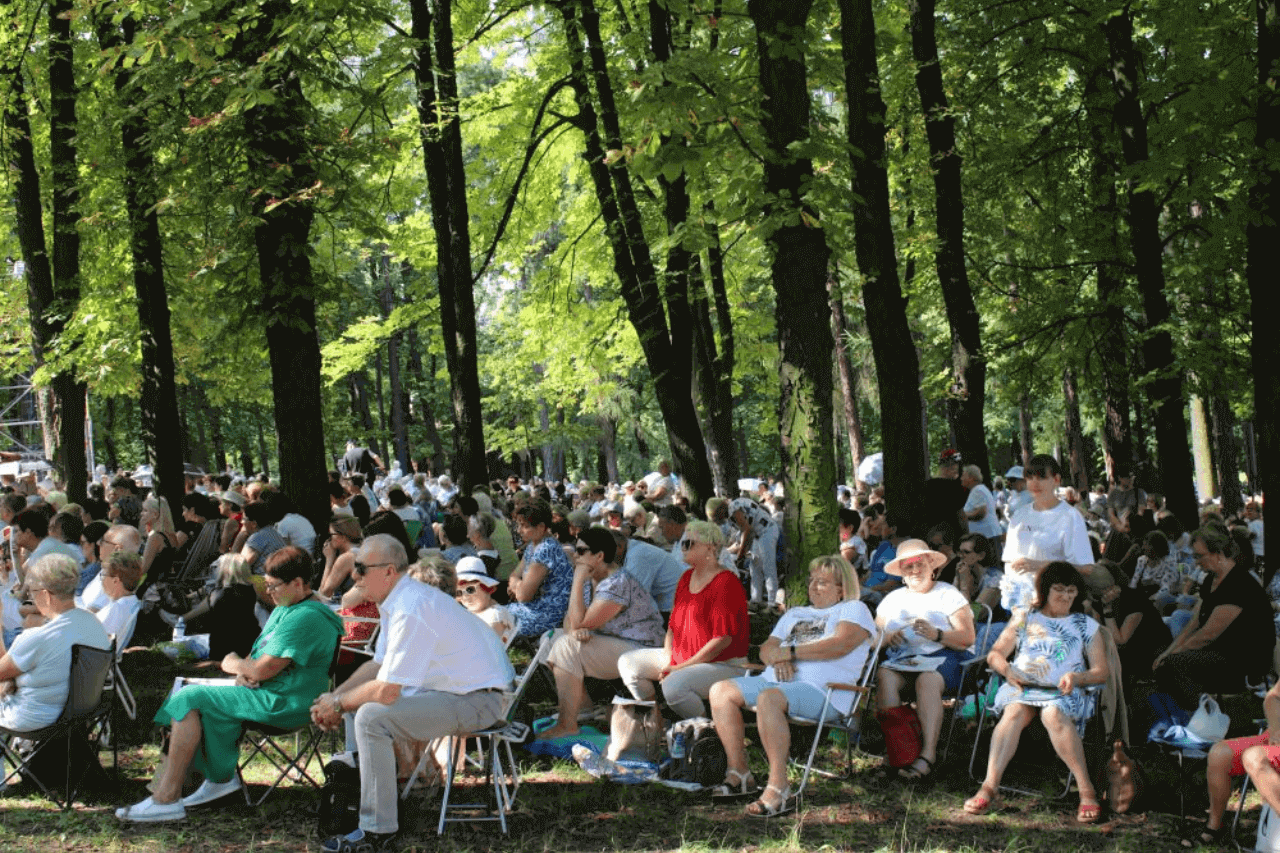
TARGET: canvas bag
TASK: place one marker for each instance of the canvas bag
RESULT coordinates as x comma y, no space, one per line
635,731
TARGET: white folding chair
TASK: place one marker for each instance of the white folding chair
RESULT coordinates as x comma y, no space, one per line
115,679
501,766
850,723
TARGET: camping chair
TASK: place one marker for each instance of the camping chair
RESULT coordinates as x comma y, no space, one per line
969,681
87,705
268,741
116,681
849,723
501,766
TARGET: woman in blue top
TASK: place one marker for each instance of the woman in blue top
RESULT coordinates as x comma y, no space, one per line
540,585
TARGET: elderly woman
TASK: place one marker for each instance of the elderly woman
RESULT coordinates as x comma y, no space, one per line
810,647
1059,651
276,684
227,613
120,578
1230,635
539,587
928,629
610,614
39,662
340,555
708,636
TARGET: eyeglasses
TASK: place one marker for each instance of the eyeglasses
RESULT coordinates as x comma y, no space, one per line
465,590
582,550
362,569
272,587
686,544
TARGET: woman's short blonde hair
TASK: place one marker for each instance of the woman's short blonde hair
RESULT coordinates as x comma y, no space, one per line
348,526
232,569
840,570
705,531
57,573
434,570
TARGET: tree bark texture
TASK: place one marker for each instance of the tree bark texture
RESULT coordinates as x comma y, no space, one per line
1201,453
381,266
447,188
799,274
1262,257
159,397
280,161
667,350
426,411
967,396
848,377
1226,459
1078,474
1165,386
897,367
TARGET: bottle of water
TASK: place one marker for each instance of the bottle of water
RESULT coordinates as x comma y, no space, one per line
180,629
677,746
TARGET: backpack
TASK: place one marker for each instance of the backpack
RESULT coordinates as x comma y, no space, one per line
704,761
339,811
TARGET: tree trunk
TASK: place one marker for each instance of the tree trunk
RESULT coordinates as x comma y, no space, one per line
633,264
447,189
1079,476
897,367
1206,485
1262,257
1165,386
276,134
848,377
425,409
219,461
799,274
1226,458
262,443
609,446
967,396
544,424
387,302
1024,429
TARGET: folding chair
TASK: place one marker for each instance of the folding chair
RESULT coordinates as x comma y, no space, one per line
116,681
849,723
501,766
968,680
265,740
87,705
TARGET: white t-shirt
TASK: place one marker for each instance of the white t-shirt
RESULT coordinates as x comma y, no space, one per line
116,615
1255,533
1017,500
428,641
44,656
988,525
500,621
654,480
902,607
94,597
802,625
1050,534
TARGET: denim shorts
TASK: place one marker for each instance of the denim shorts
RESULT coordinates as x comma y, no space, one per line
803,699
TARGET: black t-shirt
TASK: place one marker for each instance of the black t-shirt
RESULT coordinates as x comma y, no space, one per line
943,500
1149,639
1251,635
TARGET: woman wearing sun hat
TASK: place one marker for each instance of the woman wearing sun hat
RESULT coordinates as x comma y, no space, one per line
928,631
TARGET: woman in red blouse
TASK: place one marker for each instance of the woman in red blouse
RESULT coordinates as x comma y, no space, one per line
708,635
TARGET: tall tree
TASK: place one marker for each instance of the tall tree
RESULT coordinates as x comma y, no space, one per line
441,131
967,396
1164,389
897,366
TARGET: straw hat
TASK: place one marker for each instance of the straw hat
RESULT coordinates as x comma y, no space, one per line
911,551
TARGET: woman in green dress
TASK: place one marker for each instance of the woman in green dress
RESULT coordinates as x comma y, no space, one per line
287,669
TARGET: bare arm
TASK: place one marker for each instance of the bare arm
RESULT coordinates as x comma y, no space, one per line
847,637
525,587
256,670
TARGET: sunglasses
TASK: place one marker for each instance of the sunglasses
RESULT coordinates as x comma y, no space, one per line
362,569
686,544
582,550
465,590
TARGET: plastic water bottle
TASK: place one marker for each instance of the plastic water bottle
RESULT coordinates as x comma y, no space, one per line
677,746
180,629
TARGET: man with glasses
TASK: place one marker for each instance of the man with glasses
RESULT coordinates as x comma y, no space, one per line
121,537
437,671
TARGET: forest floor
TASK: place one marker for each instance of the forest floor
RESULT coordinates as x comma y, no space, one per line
561,808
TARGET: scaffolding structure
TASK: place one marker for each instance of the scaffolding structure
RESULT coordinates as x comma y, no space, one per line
21,429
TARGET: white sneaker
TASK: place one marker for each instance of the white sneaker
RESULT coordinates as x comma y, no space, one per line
210,791
149,811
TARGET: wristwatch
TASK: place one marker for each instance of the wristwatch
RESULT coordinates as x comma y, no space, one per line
793,651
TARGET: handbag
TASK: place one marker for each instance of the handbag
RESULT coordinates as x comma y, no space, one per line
635,731
1209,722
903,738
1124,780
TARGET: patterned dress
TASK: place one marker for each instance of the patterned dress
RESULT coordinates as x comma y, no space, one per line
547,610
1048,648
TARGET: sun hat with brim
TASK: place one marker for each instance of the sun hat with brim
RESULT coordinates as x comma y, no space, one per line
473,569
912,551
1015,473
233,498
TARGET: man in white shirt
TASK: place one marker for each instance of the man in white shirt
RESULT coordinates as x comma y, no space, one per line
121,537
660,485
438,671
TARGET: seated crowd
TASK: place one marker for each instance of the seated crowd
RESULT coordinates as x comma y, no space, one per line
1070,603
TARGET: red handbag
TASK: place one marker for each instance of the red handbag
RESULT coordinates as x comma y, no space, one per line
903,738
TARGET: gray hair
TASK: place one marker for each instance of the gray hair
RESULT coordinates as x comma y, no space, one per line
482,522
434,570
57,573
390,549
973,472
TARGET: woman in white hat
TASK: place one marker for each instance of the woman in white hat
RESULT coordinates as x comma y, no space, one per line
928,631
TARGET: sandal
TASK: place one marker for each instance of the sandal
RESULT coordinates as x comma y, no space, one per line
980,803
912,773
1211,838
760,808
736,785
1088,812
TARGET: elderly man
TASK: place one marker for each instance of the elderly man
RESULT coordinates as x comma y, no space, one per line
120,537
438,671
660,485
980,505
657,570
